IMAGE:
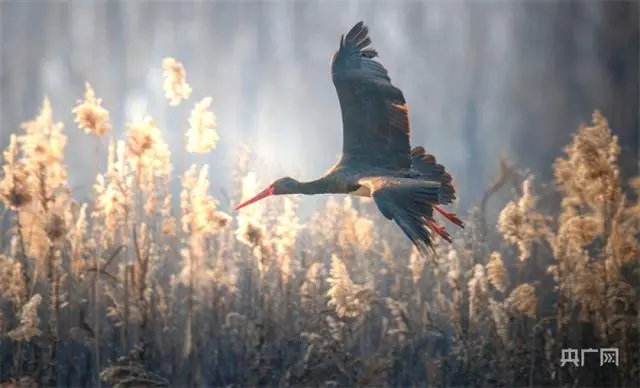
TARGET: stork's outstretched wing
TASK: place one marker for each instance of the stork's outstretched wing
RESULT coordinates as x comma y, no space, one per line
408,202
374,115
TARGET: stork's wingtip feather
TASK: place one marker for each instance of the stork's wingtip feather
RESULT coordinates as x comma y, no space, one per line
356,27
358,37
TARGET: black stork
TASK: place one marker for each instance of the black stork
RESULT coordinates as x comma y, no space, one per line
377,160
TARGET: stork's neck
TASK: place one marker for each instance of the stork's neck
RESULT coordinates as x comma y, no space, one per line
318,186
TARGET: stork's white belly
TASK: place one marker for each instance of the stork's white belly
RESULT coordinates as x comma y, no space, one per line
363,191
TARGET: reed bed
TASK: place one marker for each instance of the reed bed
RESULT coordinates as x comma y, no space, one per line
136,287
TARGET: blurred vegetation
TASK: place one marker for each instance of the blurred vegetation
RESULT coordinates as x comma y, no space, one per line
136,288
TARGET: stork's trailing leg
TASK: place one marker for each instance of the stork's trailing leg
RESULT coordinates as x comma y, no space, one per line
443,233
450,216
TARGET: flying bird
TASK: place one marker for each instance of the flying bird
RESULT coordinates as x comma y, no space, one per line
377,160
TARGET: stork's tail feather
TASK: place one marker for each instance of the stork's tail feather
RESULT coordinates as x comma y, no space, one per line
432,171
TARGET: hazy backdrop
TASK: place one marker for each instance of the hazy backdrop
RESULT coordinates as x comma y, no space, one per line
481,78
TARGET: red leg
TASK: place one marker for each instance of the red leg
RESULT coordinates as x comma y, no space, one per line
443,233
450,216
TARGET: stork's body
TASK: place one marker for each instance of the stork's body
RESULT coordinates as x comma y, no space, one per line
377,160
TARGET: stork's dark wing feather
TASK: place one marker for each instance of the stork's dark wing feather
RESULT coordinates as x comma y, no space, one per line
409,203
374,115
431,170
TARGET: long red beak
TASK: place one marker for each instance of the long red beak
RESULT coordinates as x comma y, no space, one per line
265,193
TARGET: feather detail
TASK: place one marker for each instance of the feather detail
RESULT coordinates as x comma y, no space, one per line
432,171
409,204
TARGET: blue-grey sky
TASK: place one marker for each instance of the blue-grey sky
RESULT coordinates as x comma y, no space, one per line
481,78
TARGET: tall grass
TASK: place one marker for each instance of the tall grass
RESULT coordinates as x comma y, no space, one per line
134,289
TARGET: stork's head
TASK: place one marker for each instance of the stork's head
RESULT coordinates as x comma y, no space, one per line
282,186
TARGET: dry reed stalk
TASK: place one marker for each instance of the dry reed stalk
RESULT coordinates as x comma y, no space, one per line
18,362
96,288
52,274
97,319
191,324
125,327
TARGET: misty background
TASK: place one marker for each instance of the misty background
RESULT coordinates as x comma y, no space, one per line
481,78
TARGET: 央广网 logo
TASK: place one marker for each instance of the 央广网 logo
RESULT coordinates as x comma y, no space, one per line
577,357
